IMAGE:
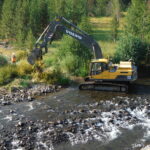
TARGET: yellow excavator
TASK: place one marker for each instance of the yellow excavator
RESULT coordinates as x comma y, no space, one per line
103,74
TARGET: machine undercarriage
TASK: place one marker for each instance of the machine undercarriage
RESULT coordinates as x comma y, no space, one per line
104,86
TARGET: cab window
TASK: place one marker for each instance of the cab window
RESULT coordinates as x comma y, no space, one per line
97,68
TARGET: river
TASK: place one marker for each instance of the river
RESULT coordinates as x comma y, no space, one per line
89,120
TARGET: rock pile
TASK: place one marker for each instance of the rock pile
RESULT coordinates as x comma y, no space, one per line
21,94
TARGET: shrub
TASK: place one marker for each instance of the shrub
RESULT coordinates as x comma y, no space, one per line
51,77
7,73
59,78
3,60
63,80
24,68
20,55
130,47
72,57
25,82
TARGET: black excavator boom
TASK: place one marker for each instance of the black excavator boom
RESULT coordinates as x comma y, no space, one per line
59,25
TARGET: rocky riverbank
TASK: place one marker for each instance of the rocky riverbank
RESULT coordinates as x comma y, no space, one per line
16,94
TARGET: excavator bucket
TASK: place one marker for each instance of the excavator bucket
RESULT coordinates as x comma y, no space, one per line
36,54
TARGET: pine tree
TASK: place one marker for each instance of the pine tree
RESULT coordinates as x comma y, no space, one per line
125,4
114,25
115,18
43,10
91,6
51,9
30,40
39,16
21,21
7,18
78,10
61,8
101,7
34,20
138,19
1,4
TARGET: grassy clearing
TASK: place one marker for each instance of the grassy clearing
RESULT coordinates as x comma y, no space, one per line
102,34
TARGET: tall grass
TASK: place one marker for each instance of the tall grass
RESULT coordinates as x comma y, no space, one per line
24,68
7,73
11,71
20,55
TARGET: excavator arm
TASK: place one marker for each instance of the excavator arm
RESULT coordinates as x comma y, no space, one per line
58,25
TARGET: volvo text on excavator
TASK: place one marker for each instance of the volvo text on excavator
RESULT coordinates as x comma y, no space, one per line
103,75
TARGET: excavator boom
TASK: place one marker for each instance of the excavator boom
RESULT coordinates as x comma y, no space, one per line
58,25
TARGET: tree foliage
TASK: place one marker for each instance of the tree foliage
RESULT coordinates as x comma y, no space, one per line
30,40
138,19
130,47
3,60
72,56
8,11
116,10
18,17
134,42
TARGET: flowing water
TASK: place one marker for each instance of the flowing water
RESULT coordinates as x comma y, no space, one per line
98,120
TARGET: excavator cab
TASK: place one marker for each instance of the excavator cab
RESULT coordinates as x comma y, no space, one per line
103,70
99,70
98,66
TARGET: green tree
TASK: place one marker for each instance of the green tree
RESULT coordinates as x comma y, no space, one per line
7,18
125,4
114,26
1,4
90,7
61,7
3,61
52,9
115,18
44,16
72,56
76,9
30,40
138,19
39,16
100,8
130,47
21,21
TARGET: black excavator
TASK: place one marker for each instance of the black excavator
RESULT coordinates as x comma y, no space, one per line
103,75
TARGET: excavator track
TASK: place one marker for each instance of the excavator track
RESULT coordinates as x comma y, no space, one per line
114,87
